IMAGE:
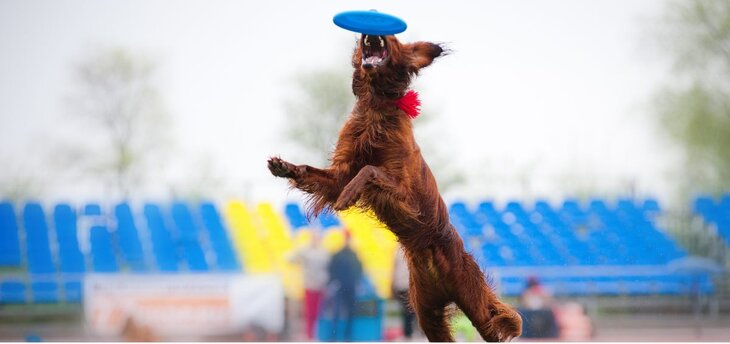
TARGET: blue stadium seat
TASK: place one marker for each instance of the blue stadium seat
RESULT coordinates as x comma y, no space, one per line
45,292
72,260
296,217
637,285
73,291
458,208
92,209
651,205
668,285
9,237
511,286
38,247
598,206
486,213
328,219
103,255
571,205
573,286
515,208
130,244
543,206
189,241
716,214
225,256
606,285
163,247
12,291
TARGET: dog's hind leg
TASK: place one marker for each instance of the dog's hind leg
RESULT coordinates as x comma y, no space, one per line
495,321
432,316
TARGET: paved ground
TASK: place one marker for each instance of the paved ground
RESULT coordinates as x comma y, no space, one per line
609,328
664,328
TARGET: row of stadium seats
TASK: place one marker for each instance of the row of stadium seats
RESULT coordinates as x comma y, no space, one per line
513,242
54,251
569,235
59,249
665,283
591,241
715,214
115,242
298,220
598,237
15,291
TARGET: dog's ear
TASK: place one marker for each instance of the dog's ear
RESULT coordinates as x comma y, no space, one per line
423,54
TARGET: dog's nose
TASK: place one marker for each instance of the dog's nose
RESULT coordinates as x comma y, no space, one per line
367,65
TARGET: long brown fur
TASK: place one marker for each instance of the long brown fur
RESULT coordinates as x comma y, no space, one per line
377,165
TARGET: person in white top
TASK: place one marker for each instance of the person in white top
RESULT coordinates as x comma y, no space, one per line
314,260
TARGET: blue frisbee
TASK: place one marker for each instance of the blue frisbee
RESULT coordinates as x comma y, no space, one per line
370,22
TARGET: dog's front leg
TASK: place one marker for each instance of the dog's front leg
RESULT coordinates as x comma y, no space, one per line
368,175
306,178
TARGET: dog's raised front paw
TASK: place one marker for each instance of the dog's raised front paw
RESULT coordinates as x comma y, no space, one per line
347,199
281,168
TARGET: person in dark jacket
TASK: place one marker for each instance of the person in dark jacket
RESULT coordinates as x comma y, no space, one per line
345,272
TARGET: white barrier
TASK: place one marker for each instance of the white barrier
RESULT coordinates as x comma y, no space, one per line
183,305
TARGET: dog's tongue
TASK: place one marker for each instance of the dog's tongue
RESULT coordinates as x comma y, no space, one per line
373,59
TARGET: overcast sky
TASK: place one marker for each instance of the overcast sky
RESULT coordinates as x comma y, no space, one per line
560,89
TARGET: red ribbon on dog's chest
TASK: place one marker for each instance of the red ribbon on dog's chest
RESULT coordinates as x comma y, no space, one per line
410,104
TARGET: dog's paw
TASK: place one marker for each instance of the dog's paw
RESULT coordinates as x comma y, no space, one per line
505,325
281,168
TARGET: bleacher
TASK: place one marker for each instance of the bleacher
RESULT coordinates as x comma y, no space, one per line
715,215
47,266
576,249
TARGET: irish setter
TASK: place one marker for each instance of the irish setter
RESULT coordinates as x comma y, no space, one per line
377,165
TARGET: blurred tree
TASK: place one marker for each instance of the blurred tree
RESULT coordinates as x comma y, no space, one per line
694,110
447,171
202,180
316,114
323,103
19,188
124,119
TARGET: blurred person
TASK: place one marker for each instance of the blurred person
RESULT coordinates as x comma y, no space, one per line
536,308
575,324
314,260
400,291
535,296
345,271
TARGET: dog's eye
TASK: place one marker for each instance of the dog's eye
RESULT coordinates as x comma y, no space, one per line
365,40
382,44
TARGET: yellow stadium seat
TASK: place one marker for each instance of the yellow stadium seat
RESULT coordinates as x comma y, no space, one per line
264,241
246,238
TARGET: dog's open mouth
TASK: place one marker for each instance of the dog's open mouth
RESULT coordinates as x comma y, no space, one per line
374,51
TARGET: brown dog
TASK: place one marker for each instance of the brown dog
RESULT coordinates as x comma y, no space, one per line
377,165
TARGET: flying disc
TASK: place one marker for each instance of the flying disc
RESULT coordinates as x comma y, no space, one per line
370,22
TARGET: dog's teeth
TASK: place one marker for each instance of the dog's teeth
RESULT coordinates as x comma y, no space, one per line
382,44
